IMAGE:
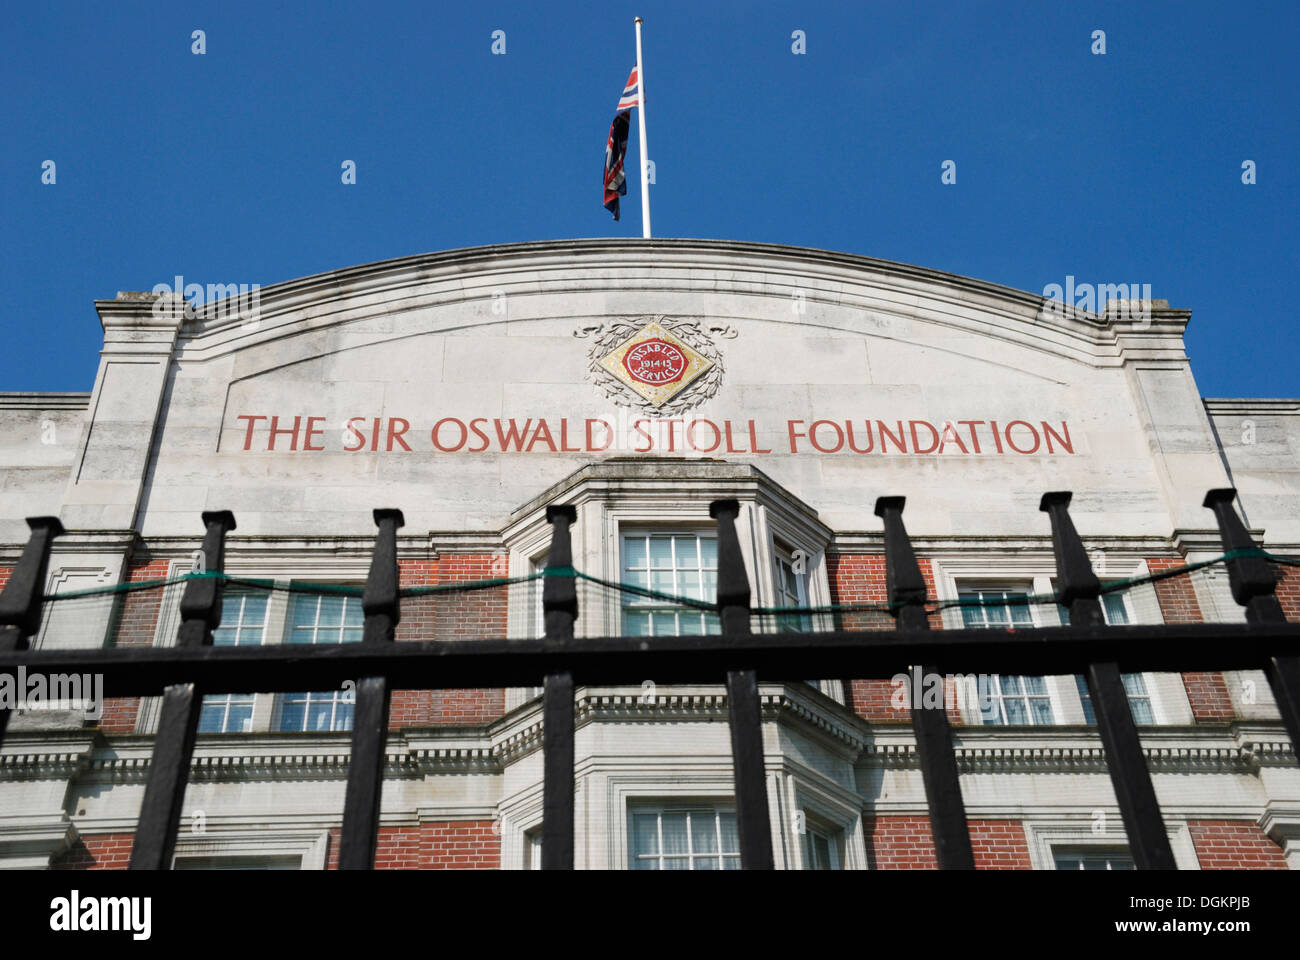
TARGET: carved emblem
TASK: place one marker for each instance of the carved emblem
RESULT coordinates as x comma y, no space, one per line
656,364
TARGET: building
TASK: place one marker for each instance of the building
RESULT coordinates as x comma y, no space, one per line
639,380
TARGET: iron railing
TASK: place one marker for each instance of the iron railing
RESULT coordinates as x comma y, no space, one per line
378,665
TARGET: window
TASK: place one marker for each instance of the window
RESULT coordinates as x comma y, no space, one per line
243,623
533,849
1139,700
1115,613
321,618
695,838
1092,859
791,591
1006,699
237,863
821,849
682,564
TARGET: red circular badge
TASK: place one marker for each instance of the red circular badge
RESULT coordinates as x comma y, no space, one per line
655,362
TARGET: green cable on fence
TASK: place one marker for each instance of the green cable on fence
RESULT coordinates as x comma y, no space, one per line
351,590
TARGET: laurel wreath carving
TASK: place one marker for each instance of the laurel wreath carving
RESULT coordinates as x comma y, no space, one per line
698,333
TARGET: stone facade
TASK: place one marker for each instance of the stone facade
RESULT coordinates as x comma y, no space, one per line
472,388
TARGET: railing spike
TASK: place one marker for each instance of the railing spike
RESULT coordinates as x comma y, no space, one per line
743,707
559,611
1254,586
939,773
169,767
380,602
22,599
1078,588
1253,582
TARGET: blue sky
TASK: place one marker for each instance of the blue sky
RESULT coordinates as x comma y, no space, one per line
225,167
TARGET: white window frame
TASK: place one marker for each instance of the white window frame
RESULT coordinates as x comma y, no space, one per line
310,845
691,808
335,698
700,533
1079,831
834,842
227,700
282,571
952,574
1097,852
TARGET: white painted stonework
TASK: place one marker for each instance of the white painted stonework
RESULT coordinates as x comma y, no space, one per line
802,346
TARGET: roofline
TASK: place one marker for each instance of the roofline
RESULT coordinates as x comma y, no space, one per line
473,255
43,401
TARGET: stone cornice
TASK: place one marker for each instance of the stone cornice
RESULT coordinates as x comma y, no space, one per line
43,401
1245,406
1242,748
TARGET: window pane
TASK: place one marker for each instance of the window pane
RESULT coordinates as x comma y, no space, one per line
687,555
1042,710
1011,685
211,716
1113,605
822,851
1036,686
331,611
709,585
1141,710
661,552
674,832
709,553
294,711
662,580
303,614
239,715
704,834
645,833
1134,685
1015,709
634,552
730,838
688,585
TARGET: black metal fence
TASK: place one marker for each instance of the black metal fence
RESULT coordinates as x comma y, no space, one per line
378,665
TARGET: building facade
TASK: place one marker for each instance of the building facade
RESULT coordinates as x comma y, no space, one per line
638,381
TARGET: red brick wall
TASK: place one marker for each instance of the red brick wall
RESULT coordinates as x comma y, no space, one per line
860,578
452,616
452,845
4,576
1288,591
104,851
1206,692
904,843
136,623
1234,845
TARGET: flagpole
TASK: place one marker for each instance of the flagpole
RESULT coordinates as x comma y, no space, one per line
640,116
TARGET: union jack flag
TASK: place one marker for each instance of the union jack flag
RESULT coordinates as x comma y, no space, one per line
616,144
615,151
631,93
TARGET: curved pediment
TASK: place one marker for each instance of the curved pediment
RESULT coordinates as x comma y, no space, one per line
585,279
471,379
